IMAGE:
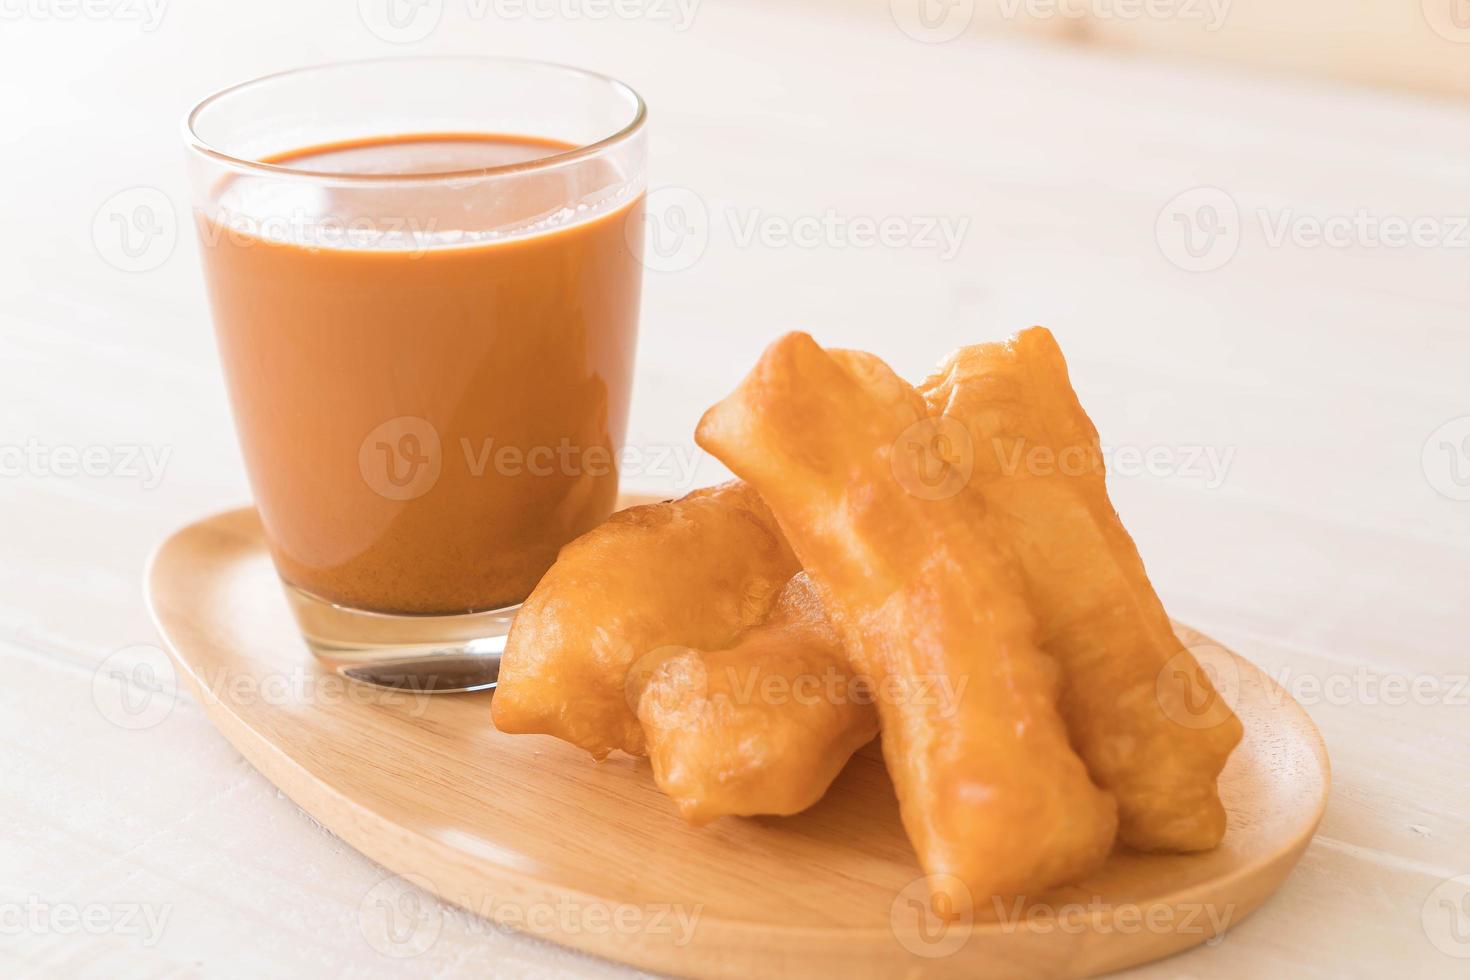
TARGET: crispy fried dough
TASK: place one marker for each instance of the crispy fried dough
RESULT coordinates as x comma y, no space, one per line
762,727
694,572
918,587
1035,456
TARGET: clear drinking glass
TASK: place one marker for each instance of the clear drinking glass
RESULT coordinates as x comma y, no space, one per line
425,276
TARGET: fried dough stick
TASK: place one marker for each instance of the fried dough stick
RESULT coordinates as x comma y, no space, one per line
762,727
990,791
694,572
1038,463
761,723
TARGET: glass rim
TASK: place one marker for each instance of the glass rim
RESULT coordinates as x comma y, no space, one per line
198,144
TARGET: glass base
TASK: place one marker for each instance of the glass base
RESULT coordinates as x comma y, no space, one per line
436,654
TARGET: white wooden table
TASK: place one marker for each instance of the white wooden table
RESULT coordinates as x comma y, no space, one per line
1275,418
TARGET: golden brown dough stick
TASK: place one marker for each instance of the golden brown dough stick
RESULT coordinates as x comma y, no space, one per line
1038,462
990,791
692,572
762,727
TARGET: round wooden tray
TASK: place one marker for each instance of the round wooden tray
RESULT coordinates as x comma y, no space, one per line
529,832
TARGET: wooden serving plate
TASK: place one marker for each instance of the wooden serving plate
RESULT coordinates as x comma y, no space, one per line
530,832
